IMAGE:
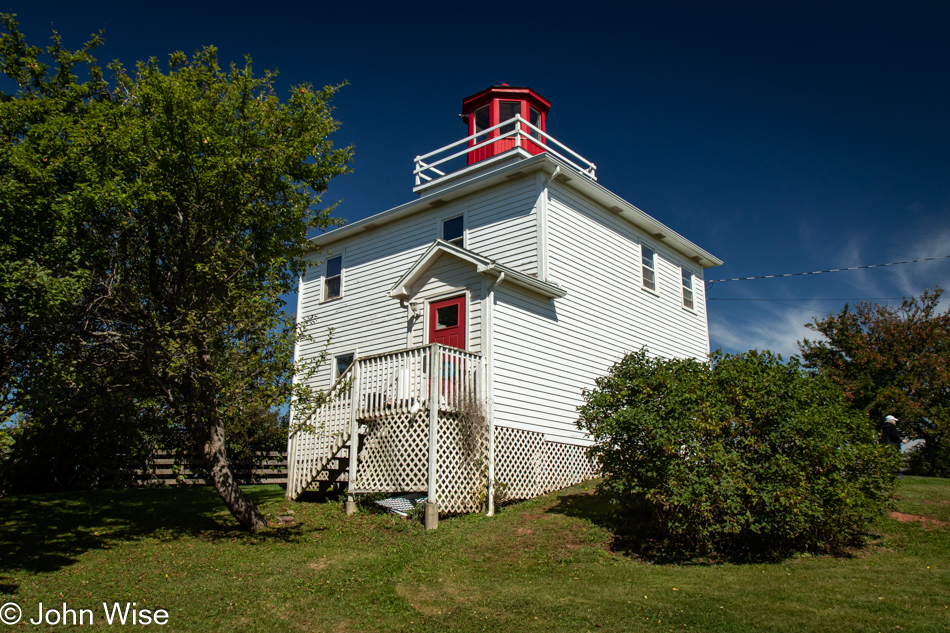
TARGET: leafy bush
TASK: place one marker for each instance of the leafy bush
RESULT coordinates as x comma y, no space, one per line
743,456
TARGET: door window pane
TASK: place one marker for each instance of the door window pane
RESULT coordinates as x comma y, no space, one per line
447,317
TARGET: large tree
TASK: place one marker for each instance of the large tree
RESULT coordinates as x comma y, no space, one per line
891,360
152,222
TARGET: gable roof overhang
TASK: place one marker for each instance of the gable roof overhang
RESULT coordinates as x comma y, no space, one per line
483,265
508,171
542,162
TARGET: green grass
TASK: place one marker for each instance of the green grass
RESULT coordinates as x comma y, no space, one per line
544,565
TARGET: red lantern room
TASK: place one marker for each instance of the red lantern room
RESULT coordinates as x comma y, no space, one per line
485,110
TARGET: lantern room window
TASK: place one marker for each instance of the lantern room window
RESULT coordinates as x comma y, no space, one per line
482,122
508,110
534,118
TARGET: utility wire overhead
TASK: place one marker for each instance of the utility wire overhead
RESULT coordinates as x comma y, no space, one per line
832,270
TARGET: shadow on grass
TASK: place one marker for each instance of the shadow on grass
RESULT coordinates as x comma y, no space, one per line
47,532
628,535
634,536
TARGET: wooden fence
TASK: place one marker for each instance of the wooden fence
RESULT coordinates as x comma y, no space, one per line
170,469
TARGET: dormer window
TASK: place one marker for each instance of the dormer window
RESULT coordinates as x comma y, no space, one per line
453,230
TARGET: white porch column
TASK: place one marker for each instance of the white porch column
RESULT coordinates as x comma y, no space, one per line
435,378
354,440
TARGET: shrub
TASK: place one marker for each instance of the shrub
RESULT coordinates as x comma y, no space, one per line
742,456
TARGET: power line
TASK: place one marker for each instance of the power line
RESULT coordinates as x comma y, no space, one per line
781,302
832,270
851,299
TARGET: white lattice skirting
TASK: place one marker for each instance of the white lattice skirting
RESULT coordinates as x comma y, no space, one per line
527,466
394,458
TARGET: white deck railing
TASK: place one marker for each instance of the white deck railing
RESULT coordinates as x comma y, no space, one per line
376,388
523,133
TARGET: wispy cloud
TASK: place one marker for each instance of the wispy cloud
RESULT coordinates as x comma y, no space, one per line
763,328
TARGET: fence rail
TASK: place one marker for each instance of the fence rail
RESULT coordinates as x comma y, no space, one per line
172,470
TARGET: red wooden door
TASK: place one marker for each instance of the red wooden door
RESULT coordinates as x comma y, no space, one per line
447,322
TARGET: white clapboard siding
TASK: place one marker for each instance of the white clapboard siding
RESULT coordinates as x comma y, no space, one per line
546,352
501,221
503,225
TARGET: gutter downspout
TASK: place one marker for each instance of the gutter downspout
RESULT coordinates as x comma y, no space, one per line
542,231
489,375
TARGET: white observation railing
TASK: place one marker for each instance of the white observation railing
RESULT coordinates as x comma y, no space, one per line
523,134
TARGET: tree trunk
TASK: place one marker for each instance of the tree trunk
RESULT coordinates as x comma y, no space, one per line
240,505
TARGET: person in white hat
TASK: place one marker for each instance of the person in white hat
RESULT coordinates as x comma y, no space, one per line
889,434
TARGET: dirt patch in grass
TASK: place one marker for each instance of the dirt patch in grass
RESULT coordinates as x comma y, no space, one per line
903,517
320,563
432,601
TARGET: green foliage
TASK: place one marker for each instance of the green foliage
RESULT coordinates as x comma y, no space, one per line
744,456
893,360
152,223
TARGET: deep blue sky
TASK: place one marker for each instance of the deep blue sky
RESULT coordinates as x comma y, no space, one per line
781,137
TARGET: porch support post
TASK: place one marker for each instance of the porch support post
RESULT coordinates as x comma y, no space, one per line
486,390
354,441
435,377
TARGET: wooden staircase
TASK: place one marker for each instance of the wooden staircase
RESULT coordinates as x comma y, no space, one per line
384,401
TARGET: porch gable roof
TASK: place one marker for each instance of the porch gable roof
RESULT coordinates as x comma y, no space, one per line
483,265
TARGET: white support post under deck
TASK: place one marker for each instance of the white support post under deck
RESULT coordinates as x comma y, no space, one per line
435,375
354,441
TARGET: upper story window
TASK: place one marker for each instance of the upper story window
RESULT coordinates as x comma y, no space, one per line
333,279
648,256
687,289
453,230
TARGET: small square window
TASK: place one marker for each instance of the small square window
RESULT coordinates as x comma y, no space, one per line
649,268
453,231
687,289
342,363
447,317
333,280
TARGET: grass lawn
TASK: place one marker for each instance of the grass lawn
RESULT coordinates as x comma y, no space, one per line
544,565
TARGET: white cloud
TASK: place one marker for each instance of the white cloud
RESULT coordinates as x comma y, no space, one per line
768,328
